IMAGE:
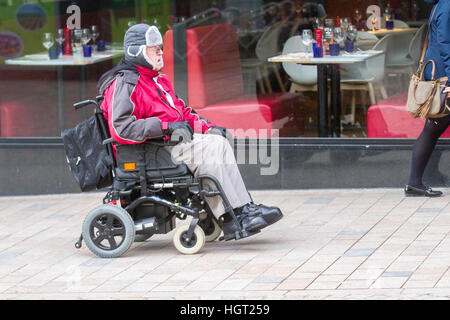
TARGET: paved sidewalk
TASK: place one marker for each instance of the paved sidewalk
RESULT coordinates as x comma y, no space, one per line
331,244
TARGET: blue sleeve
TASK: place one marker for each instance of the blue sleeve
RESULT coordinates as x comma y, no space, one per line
443,37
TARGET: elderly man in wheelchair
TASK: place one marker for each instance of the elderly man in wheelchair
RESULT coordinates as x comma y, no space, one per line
168,163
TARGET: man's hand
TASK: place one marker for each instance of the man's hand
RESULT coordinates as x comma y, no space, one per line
179,131
220,131
447,90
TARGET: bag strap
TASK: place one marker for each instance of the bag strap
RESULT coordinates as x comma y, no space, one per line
433,71
427,40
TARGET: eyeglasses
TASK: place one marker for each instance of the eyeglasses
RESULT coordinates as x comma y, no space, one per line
156,49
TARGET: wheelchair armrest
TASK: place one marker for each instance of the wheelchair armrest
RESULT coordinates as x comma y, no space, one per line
109,140
161,143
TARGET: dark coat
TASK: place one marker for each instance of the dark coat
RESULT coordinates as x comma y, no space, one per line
439,43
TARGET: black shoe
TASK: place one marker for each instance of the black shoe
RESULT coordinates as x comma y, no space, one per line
249,225
252,222
270,214
418,192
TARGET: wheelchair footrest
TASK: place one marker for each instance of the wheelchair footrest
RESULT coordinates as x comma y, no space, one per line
238,235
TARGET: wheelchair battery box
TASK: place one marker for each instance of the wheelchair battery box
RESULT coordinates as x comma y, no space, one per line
156,160
165,220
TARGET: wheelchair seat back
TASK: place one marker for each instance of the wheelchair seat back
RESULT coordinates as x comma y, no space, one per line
157,162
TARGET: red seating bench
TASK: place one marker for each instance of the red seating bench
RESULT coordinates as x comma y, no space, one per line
20,119
390,119
215,86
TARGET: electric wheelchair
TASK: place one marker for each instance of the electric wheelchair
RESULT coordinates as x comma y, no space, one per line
147,193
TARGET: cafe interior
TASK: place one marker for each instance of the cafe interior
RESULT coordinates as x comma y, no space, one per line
298,69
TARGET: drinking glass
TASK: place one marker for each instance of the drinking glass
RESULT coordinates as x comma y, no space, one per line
328,34
307,38
318,23
352,32
60,39
131,23
358,15
95,34
86,36
351,35
156,24
345,23
329,23
338,34
60,36
47,40
77,35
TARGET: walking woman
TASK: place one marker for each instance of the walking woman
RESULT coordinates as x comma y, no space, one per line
439,51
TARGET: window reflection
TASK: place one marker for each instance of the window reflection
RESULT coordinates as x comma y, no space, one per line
216,54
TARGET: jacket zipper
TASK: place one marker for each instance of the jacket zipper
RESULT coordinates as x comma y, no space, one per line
164,99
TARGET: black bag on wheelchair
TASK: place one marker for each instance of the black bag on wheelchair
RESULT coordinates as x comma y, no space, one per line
87,157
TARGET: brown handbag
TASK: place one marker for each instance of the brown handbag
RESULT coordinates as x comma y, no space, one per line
426,98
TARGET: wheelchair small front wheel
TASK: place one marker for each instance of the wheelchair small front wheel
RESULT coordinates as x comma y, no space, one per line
185,245
211,229
108,231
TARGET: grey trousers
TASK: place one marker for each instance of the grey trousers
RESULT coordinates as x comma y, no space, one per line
212,154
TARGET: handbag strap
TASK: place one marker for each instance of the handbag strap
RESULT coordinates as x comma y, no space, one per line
433,71
427,40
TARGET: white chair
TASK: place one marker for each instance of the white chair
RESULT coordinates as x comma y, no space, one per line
365,40
363,35
296,26
303,77
400,24
416,46
400,64
232,15
363,75
266,47
397,55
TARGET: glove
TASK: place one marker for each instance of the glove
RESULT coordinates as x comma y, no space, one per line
220,131
179,131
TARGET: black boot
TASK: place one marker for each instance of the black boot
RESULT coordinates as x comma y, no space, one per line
250,225
270,214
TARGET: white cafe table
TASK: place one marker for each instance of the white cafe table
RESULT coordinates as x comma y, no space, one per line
382,32
417,24
328,66
42,60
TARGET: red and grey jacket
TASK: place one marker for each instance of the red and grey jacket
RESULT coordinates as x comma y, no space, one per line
139,105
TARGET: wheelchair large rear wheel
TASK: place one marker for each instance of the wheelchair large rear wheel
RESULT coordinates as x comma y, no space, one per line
194,245
108,231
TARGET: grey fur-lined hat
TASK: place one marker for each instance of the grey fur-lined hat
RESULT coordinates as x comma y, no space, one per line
136,39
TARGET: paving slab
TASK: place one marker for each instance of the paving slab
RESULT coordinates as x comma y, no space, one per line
331,244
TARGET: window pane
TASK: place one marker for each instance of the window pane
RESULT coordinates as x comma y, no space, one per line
216,57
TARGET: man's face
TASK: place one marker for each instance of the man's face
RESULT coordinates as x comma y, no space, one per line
154,53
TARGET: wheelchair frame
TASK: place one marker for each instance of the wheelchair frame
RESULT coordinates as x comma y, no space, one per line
147,193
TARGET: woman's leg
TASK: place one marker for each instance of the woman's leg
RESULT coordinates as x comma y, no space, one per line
423,148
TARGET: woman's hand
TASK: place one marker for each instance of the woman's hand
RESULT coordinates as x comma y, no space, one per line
446,90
